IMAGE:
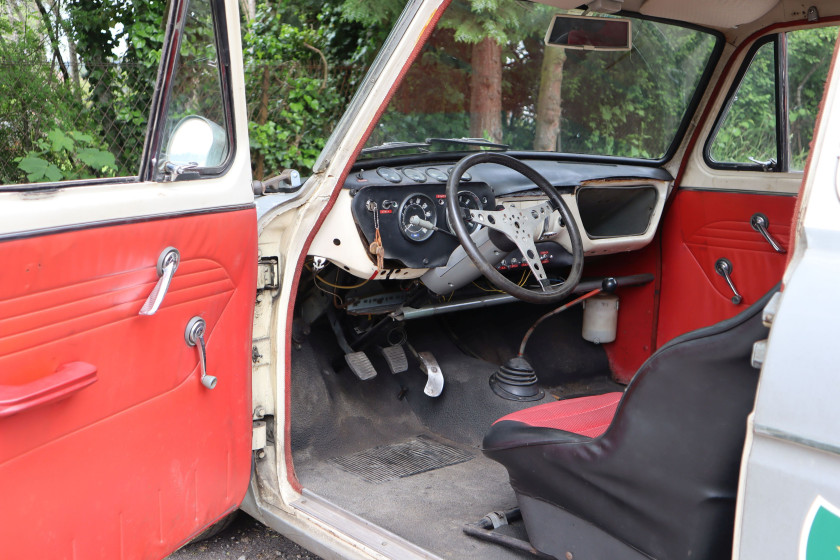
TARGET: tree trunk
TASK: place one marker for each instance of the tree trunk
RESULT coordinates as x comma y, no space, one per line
549,108
486,91
248,9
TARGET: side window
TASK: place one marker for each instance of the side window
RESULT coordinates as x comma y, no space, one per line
197,131
769,118
76,84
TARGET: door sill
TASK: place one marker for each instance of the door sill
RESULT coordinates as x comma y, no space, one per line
372,536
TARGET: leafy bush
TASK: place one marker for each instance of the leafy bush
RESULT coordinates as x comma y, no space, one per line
65,156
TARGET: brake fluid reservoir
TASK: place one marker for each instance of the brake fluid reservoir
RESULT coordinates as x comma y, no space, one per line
600,317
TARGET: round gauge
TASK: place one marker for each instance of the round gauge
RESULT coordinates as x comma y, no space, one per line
437,174
389,174
464,177
414,174
470,201
417,214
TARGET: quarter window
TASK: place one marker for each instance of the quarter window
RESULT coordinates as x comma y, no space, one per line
768,121
197,133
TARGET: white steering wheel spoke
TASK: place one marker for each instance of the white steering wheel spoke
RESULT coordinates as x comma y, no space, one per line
522,226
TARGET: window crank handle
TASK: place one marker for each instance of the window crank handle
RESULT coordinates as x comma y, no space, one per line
194,335
724,268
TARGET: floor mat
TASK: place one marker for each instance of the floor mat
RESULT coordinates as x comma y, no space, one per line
400,460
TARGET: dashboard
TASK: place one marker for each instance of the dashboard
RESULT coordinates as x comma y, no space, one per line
617,207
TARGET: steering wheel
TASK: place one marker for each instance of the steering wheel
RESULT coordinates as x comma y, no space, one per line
522,226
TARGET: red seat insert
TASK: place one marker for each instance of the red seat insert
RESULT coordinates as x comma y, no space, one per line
586,416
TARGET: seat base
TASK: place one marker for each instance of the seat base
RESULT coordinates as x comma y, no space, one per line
556,532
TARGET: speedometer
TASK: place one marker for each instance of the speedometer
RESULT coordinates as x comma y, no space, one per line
470,201
418,217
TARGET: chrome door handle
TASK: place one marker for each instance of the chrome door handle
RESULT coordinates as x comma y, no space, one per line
760,223
194,335
167,264
724,268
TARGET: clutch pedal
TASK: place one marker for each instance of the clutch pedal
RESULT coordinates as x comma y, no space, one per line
360,365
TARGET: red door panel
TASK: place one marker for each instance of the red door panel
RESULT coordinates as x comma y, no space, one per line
144,451
701,227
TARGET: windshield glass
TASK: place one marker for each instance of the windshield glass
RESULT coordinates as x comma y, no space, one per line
488,74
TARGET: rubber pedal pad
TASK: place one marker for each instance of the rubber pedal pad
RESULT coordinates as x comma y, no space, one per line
395,357
360,365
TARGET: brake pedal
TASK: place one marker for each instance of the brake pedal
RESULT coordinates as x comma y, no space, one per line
360,365
395,357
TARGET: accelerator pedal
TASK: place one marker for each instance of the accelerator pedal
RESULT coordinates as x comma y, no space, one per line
434,382
360,365
396,358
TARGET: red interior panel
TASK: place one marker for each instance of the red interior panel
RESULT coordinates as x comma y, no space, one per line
637,308
145,453
702,226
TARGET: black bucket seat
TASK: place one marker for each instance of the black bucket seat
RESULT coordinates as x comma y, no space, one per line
652,473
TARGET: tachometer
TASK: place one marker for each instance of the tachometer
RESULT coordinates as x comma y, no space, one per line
470,201
417,217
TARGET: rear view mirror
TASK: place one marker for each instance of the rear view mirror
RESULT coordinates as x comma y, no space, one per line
589,33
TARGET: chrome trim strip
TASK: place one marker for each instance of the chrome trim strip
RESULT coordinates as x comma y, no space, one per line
737,191
799,440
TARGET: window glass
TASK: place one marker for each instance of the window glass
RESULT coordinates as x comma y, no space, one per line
76,83
514,90
196,124
747,132
748,129
809,56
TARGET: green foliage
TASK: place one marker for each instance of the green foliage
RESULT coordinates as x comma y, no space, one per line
66,156
291,123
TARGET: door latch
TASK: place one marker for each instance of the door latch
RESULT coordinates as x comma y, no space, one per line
167,264
760,223
194,335
268,273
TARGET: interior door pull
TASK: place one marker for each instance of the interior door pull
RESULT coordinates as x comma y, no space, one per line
194,335
66,380
167,264
760,223
724,268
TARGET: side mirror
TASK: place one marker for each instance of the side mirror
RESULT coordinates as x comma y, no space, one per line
589,33
198,142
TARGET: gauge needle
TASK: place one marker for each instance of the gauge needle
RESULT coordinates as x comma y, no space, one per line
418,221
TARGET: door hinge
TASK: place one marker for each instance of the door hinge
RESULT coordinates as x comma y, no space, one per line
258,436
268,273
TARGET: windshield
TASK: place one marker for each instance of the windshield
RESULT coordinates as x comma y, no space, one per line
490,76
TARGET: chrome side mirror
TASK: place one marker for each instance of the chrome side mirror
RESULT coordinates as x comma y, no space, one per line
197,142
